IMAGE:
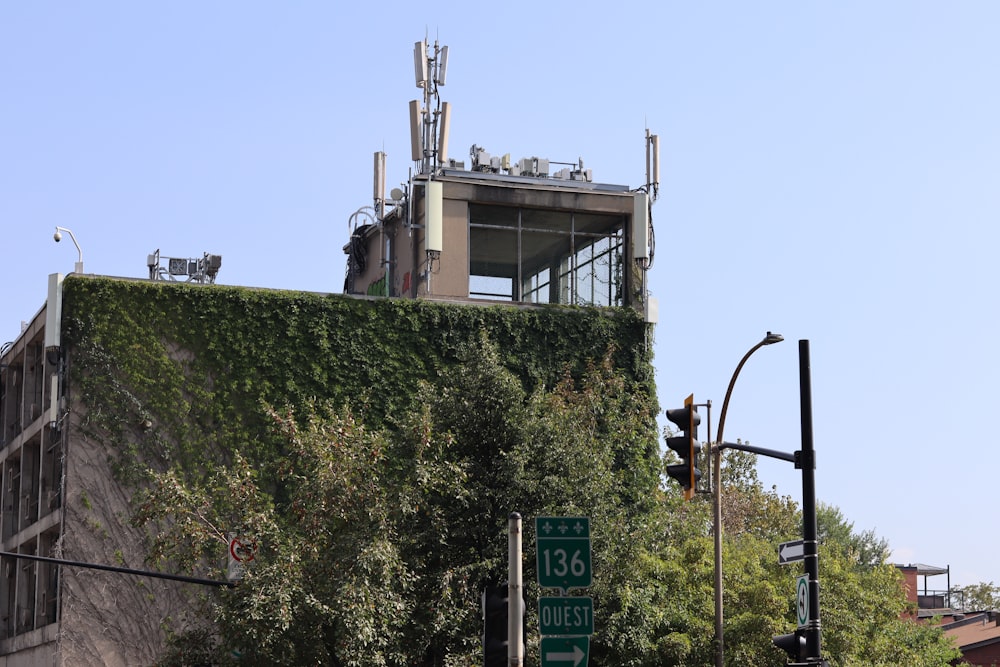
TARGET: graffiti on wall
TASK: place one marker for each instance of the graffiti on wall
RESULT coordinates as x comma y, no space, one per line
379,288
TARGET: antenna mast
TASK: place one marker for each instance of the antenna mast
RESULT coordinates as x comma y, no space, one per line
429,121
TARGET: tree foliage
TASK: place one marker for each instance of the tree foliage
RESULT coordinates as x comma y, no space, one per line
375,543
984,596
379,511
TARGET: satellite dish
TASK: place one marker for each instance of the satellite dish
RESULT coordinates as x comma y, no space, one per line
396,194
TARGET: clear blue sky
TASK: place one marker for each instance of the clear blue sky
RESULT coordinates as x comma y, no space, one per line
829,171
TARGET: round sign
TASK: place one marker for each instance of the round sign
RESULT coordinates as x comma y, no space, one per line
802,601
242,553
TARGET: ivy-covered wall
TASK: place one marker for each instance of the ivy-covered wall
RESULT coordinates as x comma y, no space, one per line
178,376
198,362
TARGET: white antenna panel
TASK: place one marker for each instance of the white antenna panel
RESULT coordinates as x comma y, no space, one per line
379,180
442,66
640,226
420,64
416,131
53,311
443,132
434,206
655,142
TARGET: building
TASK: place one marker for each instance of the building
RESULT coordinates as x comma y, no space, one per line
928,603
521,234
31,461
977,635
52,614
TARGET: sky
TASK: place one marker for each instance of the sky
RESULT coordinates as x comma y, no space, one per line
829,172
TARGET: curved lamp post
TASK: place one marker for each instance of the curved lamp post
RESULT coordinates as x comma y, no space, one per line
58,237
769,339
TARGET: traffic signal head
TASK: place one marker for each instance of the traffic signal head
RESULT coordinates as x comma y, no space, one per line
495,626
686,445
793,644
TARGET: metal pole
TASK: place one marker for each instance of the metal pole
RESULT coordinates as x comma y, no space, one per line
807,462
720,650
515,597
720,644
119,570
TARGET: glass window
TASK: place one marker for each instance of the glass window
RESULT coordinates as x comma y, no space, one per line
546,256
493,263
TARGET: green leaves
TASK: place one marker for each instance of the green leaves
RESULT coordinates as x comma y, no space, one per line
377,490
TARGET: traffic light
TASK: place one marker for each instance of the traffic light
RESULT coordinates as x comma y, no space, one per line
686,445
794,644
495,626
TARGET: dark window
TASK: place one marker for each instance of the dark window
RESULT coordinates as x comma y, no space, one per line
546,256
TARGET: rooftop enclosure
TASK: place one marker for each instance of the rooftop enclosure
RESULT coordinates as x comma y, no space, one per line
504,238
520,231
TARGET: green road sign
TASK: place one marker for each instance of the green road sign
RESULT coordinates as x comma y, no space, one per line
563,552
566,616
802,600
565,651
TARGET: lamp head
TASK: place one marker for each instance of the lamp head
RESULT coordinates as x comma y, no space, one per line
771,338
57,237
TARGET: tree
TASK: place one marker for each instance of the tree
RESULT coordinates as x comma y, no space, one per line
328,585
978,597
376,543
866,549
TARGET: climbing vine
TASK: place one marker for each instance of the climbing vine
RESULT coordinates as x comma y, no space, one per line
179,374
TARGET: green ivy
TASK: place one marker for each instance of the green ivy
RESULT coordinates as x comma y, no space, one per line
178,374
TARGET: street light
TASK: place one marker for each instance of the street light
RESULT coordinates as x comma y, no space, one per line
57,237
769,339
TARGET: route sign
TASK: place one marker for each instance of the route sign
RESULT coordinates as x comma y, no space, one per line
565,651
562,553
566,616
802,600
789,552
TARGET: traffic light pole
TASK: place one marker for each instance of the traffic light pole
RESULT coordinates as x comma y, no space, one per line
804,460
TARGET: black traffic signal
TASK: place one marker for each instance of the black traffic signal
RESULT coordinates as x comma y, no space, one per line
794,644
495,626
686,445
495,619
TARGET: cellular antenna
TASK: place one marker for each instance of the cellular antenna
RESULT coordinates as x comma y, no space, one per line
429,120
652,165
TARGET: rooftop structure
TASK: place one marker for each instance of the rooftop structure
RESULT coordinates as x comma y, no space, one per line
500,230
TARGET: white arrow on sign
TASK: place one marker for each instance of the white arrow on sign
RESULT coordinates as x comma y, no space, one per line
575,657
789,552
